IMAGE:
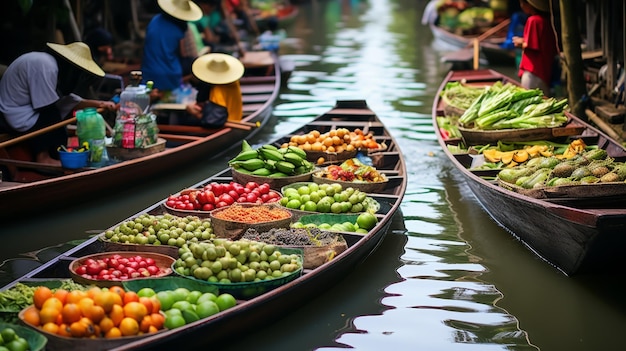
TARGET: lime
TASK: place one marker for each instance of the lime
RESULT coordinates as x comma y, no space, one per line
323,206
366,221
173,322
207,308
8,335
182,305
225,301
304,190
166,298
181,294
294,204
194,296
206,297
336,207
3,348
310,206
190,315
146,292
18,344
173,312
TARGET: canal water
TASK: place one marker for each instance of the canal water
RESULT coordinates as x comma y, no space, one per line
446,277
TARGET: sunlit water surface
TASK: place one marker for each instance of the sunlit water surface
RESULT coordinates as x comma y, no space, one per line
446,277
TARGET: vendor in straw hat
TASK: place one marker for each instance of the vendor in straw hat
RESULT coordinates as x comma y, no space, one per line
539,46
39,89
162,53
218,88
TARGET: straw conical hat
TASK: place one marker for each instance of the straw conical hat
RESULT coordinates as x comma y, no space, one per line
79,54
541,5
184,10
217,68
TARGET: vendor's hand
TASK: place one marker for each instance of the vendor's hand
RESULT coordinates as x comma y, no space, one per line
518,41
107,105
194,109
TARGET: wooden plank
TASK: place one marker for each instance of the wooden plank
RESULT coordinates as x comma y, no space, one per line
184,138
33,165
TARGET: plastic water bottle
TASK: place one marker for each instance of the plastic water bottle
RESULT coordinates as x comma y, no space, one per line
90,128
135,98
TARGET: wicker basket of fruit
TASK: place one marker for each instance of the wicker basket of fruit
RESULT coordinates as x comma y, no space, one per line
111,268
232,221
353,173
269,266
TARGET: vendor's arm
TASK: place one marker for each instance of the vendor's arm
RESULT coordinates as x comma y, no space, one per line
99,104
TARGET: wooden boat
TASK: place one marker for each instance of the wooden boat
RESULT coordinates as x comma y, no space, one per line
576,235
54,187
490,44
285,298
283,11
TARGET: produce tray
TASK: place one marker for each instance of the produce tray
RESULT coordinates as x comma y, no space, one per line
248,290
124,154
164,262
481,137
366,187
233,230
64,343
275,183
595,191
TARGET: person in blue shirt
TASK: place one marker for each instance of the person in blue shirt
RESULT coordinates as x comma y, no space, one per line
162,53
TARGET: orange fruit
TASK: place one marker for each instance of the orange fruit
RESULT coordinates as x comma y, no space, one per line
61,294
113,333
75,296
129,326
40,295
31,316
49,315
106,324
106,300
64,330
116,314
91,328
145,324
135,310
54,303
71,313
92,292
78,329
130,296
148,302
51,328
157,320
95,313
152,329
118,290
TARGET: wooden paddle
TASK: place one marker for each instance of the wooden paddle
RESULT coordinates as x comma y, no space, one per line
476,41
37,132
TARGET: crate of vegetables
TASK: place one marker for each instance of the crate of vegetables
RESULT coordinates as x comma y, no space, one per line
232,221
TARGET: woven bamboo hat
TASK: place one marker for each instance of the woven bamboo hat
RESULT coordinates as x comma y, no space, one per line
217,68
79,54
184,10
541,5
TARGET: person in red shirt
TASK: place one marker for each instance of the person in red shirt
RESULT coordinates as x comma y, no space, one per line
539,46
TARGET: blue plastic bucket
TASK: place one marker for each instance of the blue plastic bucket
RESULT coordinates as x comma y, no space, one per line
73,160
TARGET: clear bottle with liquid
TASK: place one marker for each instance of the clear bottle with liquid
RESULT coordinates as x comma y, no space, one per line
135,99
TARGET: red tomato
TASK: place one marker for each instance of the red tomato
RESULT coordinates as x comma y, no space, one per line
217,189
265,197
221,204
233,193
210,197
208,207
153,270
201,197
80,270
252,185
251,197
150,261
227,199
264,188
189,206
242,199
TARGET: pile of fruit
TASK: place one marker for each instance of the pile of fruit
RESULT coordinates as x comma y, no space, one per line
217,195
228,261
10,340
270,161
165,229
95,313
117,267
363,224
336,140
327,198
182,306
352,170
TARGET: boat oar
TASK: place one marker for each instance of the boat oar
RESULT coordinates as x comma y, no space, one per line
37,132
